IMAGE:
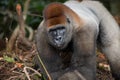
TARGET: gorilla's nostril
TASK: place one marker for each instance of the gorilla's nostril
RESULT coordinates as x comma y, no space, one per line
59,38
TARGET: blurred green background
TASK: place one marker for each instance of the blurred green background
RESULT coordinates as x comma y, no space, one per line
8,16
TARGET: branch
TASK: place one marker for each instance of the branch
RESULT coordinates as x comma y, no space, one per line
26,5
49,77
20,20
25,70
20,30
11,42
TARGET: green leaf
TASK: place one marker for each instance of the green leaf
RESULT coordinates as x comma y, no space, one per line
8,59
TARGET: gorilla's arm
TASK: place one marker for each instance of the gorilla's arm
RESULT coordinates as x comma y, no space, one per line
109,36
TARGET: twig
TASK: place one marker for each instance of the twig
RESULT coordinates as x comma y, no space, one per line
16,72
80,76
6,41
20,30
26,5
20,20
26,73
12,39
12,77
21,38
32,14
25,70
15,33
31,32
21,77
49,77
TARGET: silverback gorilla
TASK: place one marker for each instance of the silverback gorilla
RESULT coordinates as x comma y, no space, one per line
68,36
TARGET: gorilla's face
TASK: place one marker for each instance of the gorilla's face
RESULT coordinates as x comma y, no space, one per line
57,36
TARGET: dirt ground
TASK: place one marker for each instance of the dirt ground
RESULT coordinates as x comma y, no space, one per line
12,65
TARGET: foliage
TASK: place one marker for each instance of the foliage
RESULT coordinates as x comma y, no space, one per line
8,59
8,19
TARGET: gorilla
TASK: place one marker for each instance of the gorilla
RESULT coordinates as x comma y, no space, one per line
69,35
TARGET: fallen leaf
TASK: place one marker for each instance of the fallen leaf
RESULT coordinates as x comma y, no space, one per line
20,65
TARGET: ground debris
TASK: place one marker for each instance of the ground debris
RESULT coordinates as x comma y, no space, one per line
15,70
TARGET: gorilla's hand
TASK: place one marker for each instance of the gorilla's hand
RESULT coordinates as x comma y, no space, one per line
74,75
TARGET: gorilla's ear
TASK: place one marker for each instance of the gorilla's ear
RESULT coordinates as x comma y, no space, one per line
53,14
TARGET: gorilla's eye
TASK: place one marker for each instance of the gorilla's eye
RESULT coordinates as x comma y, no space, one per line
62,31
54,32
57,31
68,20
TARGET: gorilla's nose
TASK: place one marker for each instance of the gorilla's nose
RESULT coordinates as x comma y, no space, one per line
59,38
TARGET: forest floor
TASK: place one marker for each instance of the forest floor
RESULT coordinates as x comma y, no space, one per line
16,65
